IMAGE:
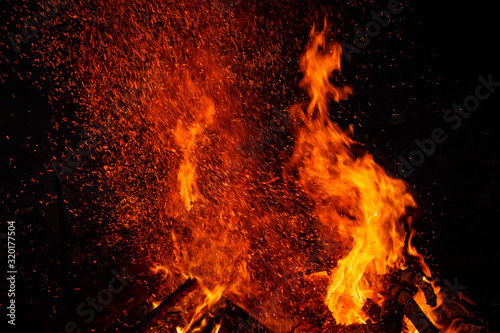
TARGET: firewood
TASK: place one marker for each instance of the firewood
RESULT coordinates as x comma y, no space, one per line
419,280
391,317
411,277
152,318
372,309
463,327
413,312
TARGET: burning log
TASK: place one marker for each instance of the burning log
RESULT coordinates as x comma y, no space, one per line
152,318
417,279
411,310
373,310
244,321
400,287
234,317
461,326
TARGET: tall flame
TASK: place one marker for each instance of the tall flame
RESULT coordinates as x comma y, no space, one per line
175,175
353,196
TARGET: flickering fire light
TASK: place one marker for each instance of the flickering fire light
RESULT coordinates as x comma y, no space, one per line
358,214
248,218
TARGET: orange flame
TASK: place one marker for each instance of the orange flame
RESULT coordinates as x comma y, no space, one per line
212,297
251,239
187,139
353,195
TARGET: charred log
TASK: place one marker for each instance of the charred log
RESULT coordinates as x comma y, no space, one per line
413,312
372,309
391,317
461,326
230,317
417,279
152,318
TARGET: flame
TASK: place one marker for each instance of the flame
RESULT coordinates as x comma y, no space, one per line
212,297
353,196
172,171
436,314
187,138
216,328
156,304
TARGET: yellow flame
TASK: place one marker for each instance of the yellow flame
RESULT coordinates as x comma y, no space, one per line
216,328
211,298
187,137
353,196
